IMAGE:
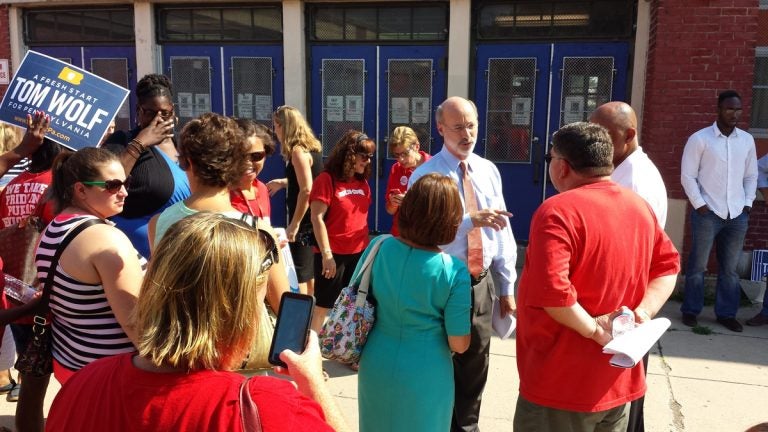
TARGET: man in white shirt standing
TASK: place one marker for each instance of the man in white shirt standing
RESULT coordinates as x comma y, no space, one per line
633,170
719,175
632,167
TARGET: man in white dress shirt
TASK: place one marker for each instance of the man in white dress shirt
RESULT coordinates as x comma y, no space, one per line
633,170
632,167
719,175
457,122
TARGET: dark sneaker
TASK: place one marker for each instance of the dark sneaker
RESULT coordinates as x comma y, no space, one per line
731,324
690,320
758,320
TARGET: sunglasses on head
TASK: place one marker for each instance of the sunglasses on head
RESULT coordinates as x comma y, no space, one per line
272,256
257,156
111,186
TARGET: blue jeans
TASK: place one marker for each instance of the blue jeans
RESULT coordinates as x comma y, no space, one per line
728,237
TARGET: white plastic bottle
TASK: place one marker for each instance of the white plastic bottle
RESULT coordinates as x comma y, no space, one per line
623,323
18,290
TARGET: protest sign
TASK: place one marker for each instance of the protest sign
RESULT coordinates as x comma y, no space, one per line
81,104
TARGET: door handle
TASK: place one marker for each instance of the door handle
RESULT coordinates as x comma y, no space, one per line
537,160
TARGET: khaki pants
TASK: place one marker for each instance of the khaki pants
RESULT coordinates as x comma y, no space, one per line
530,417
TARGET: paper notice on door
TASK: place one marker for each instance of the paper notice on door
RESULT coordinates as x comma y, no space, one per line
245,105
521,111
334,108
263,107
400,114
573,109
354,108
202,103
420,110
185,105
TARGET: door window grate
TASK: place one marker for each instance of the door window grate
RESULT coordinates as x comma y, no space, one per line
510,107
343,83
587,84
410,98
191,78
252,88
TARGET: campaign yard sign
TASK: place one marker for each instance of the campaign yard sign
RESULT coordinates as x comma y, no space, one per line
759,264
81,104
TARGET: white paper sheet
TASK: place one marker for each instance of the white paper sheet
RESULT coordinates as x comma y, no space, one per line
629,348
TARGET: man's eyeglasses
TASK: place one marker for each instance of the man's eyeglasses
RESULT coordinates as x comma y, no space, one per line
272,256
111,186
257,156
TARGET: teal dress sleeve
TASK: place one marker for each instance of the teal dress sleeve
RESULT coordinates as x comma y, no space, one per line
458,308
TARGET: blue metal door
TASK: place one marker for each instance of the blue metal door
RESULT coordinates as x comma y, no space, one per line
253,88
512,100
196,76
343,97
114,63
526,92
411,85
375,89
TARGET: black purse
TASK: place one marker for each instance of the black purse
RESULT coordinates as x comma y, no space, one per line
37,360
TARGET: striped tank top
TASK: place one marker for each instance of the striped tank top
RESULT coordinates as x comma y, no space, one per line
84,327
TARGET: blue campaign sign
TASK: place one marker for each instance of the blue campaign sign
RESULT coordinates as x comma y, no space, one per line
81,104
759,264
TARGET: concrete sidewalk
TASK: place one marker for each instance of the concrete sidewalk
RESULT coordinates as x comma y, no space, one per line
716,382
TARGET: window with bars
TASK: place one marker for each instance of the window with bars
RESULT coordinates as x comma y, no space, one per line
263,23
67,26
378,23
542,19
759,120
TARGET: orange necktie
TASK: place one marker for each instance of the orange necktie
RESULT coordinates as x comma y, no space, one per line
474,237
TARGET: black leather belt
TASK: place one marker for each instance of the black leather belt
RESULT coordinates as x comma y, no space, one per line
480,277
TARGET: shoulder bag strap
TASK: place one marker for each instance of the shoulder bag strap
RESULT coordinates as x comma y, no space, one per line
365,271
55,261
249,412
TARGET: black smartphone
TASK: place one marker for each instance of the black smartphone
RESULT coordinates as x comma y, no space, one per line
292,327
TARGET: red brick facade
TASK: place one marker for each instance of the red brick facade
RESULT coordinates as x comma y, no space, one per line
697,49
5,42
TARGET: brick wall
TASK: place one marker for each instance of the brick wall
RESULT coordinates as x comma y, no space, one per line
698,48
5,42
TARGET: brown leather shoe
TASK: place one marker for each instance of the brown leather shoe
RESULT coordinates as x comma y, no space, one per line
731,324
758,320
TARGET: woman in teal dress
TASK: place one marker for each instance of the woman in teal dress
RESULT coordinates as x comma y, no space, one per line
423,313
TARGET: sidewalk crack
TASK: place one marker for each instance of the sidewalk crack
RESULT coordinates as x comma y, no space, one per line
678,419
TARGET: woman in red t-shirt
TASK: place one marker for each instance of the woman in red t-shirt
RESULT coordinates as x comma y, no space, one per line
404,146
251,196
339,204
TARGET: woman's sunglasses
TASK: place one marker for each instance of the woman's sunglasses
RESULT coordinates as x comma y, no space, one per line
111,186
257,156
272,255
365,156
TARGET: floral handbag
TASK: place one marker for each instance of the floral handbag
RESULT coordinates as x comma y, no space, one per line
344,334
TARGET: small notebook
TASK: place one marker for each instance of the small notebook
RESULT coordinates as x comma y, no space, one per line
629,348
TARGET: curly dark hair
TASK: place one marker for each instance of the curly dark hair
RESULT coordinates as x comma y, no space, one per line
341,161
216,147
153,85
